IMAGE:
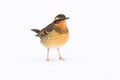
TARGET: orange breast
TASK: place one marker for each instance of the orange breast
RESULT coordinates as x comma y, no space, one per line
55,39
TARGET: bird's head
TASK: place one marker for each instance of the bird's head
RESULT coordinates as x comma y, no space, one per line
59,18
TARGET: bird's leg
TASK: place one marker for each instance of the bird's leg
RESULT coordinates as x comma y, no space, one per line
48,54
60,57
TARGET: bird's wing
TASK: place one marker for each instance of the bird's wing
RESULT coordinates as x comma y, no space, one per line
45,31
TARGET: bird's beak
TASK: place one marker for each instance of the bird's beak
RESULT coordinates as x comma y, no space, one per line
67,18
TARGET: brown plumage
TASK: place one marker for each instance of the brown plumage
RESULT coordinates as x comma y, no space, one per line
55,34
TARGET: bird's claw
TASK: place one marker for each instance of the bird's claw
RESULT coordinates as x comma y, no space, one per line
48,60
61,58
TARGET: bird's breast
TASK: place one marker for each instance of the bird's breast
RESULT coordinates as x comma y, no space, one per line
55,39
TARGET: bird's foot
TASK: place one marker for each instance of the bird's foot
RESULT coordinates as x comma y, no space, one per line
48,60
60,58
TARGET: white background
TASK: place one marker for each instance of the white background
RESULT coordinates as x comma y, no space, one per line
92,52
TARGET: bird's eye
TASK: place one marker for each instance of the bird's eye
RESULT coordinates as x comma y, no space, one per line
57,18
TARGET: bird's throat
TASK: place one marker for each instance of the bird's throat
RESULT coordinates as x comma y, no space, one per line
61,25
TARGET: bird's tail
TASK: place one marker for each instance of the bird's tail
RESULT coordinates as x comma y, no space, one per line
37,31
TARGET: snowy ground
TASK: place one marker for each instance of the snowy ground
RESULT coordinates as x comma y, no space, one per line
92,52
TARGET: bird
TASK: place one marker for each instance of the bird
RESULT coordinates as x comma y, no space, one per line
54,35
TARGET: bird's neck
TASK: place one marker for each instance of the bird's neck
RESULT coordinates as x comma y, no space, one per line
61,25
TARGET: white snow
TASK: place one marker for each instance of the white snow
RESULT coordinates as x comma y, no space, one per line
92,51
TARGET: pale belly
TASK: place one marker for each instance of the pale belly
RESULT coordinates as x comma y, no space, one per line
55,40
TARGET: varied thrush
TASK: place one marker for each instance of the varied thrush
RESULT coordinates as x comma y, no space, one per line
54,35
